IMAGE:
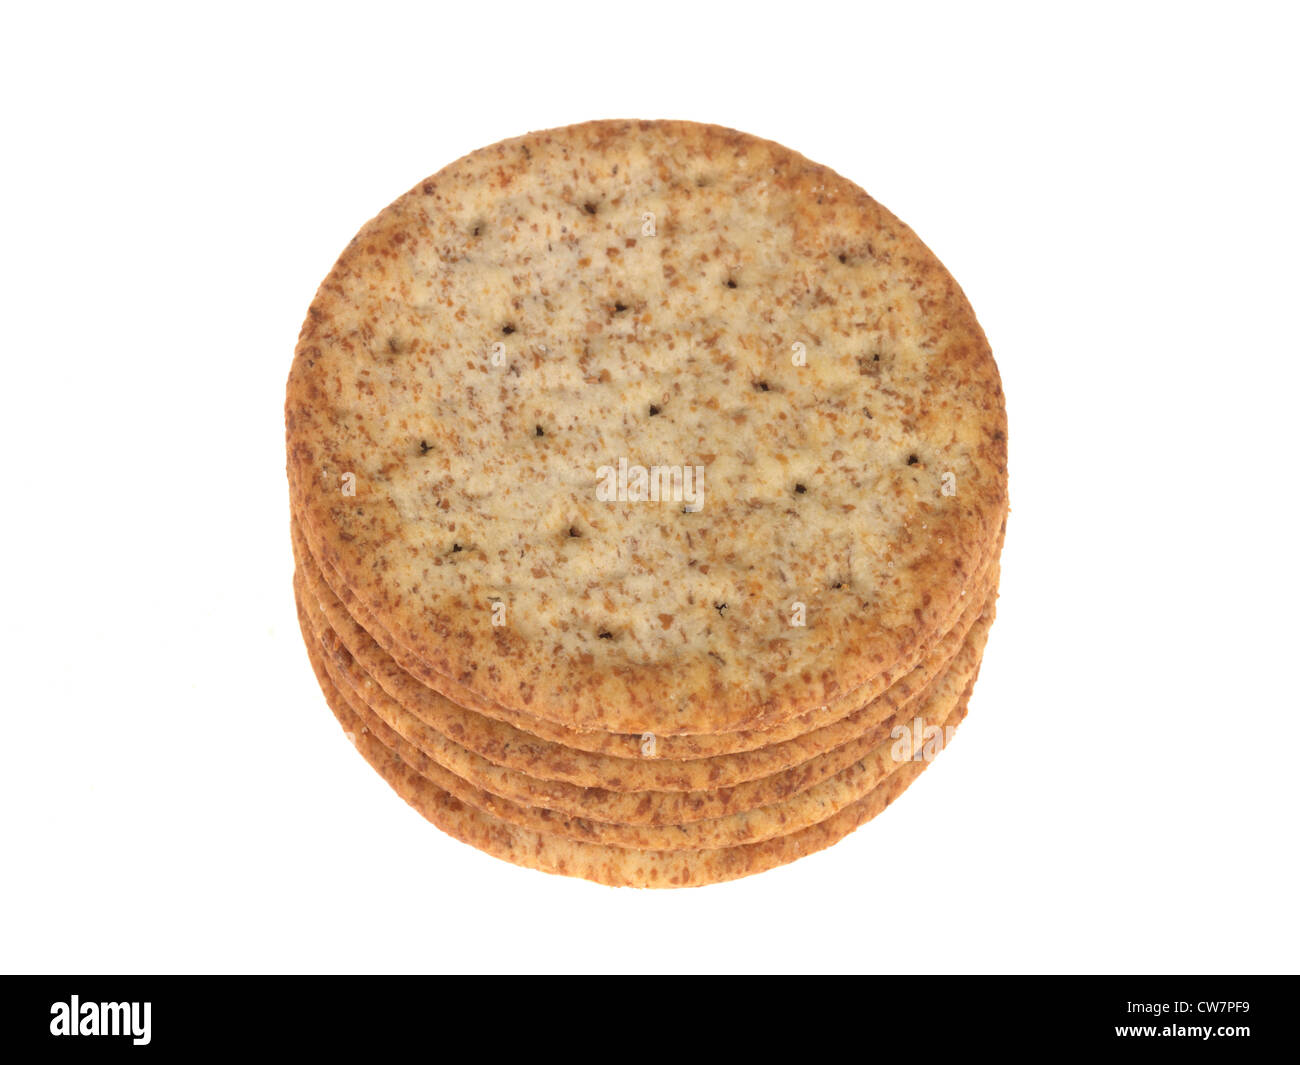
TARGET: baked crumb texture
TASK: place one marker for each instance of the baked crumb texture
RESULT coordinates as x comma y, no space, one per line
648,487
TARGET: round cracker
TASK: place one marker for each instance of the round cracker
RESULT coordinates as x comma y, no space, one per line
825,481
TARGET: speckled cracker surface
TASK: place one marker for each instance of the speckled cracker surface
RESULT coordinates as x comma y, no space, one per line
661,296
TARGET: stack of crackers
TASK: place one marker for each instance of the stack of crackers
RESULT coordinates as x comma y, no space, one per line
648,486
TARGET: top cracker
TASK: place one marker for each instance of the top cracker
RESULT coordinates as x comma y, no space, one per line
495,355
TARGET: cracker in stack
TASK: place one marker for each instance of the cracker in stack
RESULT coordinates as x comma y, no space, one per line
648,484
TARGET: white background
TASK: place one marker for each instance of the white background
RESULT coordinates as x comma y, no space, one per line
1115,188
